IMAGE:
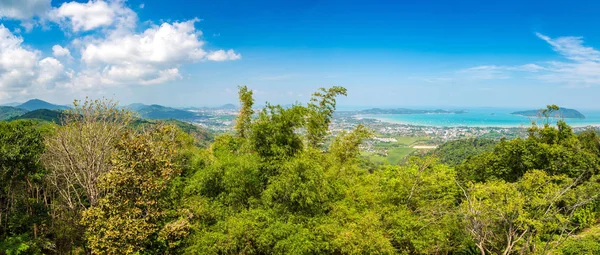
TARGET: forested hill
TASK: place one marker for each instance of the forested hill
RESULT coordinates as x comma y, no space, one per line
456,152
162,112
40,109
7,112
202,137
409,111
40,114
36,104
560,113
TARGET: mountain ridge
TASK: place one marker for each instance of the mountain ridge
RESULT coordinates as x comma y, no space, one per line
155,111
37,104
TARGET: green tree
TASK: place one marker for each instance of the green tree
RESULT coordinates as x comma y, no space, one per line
245,116
274,134
456,152
419,207
24,219
532,215
321,107
556,150
78,152
345,146
131,213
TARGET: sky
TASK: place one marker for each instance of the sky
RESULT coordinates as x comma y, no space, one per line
416,54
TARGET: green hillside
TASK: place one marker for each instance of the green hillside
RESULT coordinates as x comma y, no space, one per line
161,112
41,114
456,152
7,112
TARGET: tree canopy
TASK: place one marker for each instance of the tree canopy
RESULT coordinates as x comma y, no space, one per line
282,183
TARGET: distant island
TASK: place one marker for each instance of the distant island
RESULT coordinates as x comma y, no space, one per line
410,111
562,113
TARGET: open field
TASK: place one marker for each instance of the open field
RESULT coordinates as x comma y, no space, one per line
396,152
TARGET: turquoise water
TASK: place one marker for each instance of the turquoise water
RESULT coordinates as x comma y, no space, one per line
486,117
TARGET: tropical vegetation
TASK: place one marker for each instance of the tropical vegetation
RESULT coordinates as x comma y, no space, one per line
100,181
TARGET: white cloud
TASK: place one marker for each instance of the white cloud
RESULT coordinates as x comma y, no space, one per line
493,72
164,76
59,51
167,43
572,48
530,68
110,49
94,14
580,67
484,73
24,10
221,55
150,57
50,71
22,70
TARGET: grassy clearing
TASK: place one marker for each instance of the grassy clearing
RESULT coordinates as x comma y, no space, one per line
396,155
396,152
410,140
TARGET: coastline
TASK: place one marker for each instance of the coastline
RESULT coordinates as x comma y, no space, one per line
516,126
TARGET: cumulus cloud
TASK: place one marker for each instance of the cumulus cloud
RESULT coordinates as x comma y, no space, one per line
94,14
59,51
167,43
221,55
107,46
24,10
50,71
150,57
22,69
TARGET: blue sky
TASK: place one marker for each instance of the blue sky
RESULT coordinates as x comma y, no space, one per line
387,53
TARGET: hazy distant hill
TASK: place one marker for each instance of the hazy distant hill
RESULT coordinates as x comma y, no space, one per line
563,113
136,106
161,112
409,111
222,107
228,107
36,104
13,104
41,114
7,112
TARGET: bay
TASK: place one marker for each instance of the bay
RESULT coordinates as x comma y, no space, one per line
480,117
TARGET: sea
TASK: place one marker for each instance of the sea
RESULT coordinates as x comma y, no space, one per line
480,117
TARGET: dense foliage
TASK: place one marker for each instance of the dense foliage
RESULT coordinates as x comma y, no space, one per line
8,112
104,183
456,152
